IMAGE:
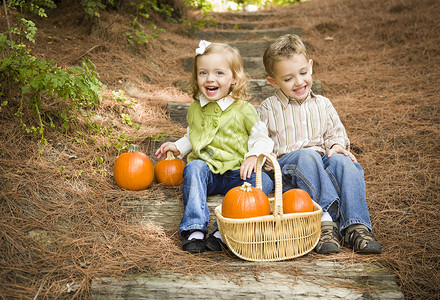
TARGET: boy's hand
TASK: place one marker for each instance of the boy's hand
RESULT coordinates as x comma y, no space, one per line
339,149
165,147
248,166
268,166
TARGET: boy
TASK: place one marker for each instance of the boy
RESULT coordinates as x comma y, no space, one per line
312,148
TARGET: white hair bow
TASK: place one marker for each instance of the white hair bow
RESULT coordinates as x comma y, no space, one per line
202,46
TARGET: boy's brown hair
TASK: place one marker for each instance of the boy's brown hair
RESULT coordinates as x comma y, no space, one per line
239,90
284,47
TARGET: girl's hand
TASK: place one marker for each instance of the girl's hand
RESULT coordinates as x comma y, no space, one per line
165,147
339,149
248,166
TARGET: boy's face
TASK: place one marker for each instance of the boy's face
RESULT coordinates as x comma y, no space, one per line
214,76
294,76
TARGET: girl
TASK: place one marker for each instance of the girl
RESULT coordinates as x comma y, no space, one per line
224,138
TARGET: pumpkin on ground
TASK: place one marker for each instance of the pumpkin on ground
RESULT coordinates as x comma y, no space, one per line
297,201
245,202
133,170
170,170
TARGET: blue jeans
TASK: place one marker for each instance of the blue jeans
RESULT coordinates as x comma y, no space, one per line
336,183
199,182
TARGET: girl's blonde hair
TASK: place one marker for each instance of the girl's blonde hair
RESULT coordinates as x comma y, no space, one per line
239,90
284,47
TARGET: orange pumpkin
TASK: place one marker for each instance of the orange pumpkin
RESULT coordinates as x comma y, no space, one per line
245,202
133,170
170,170
297,201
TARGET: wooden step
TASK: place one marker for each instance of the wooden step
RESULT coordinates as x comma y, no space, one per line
297,279
235,26
247,16
167,212
246,48
251,48
259,88
244,35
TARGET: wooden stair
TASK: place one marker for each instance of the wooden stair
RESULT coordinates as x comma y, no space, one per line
302,278
318,280
293,279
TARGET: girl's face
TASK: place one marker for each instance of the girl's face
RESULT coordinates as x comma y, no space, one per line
214,76
294,76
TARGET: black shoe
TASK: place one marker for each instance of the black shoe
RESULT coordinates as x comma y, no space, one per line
214,244
194,245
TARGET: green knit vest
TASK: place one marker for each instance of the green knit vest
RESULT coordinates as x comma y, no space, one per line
220,138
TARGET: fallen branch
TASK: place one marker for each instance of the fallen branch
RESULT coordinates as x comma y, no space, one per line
85,53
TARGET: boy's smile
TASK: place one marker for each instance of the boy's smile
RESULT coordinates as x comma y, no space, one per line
294,76
214,76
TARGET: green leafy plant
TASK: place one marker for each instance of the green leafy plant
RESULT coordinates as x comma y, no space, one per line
138,35
147,7
41,81
202,5
190,26
92,7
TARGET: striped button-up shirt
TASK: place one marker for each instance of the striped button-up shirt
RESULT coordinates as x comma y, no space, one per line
312,124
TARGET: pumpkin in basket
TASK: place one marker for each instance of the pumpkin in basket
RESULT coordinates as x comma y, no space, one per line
245,202
133,170
170,170
297,201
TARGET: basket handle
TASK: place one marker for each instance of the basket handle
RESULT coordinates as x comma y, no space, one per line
278,207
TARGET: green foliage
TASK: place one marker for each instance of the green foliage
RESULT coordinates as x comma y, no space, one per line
92,7
202,5
147,7
190,26
138,35
286,2
36,7
144,8
40,80
39,83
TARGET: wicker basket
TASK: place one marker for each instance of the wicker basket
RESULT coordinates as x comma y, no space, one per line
274,237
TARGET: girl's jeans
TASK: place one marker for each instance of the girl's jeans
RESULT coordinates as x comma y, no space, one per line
336,183
199,182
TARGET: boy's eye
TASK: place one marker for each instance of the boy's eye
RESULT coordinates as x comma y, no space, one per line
287,79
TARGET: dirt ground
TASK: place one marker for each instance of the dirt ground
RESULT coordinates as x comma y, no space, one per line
379,62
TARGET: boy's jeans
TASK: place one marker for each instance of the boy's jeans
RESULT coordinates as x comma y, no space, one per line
199,182
329,180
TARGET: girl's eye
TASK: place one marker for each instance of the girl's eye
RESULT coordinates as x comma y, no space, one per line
202,73
219,73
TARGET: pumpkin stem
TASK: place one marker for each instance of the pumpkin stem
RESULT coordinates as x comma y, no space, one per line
170,156
133,148
246,187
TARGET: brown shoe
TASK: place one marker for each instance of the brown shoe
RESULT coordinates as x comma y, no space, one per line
362,240
329,240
